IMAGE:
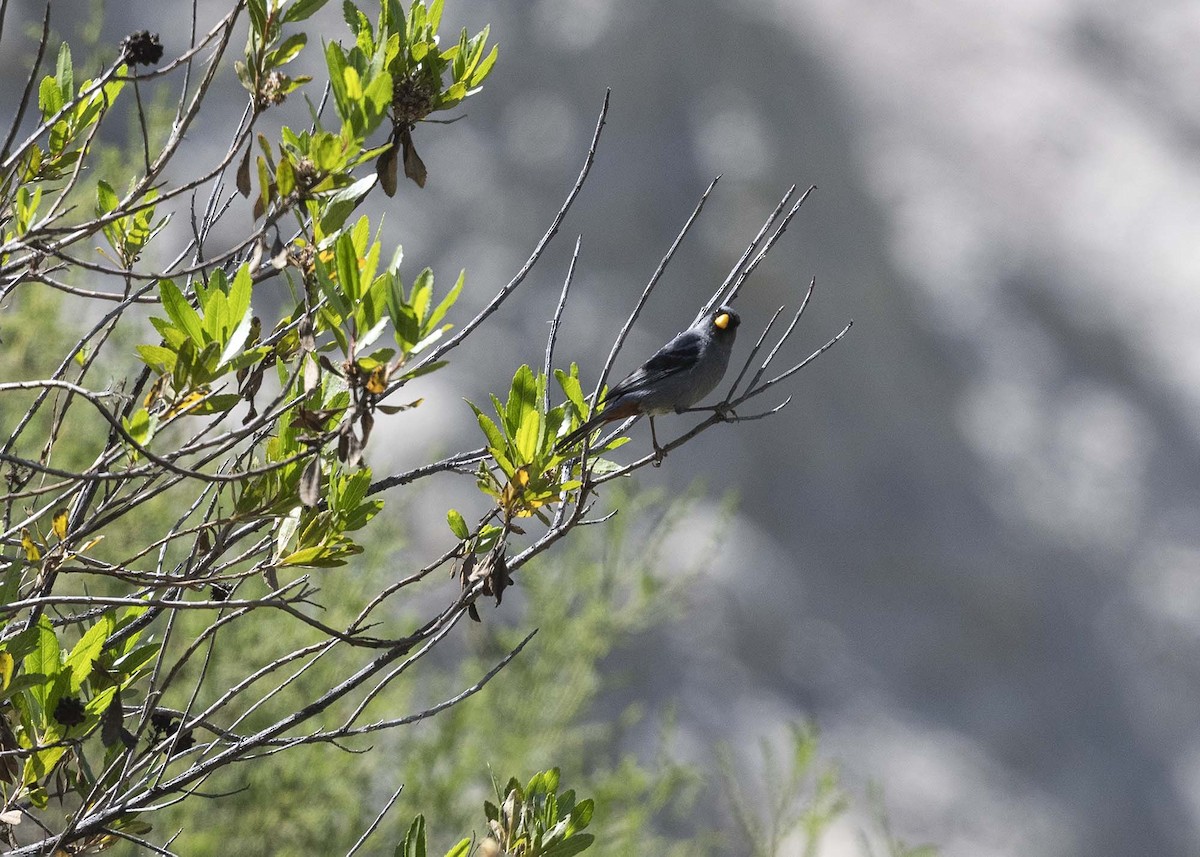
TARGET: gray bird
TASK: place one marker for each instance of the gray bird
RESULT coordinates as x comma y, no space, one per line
681,373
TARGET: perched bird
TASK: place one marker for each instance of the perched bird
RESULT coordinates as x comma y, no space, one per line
681,373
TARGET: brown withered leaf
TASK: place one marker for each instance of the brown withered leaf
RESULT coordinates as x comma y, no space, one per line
243,175
279,254
366,423
386,168
349,446
395,409
414,167
498,578
313,419
307,340
312,375
112,725
492,569
464,570
10,768
328,366
310,483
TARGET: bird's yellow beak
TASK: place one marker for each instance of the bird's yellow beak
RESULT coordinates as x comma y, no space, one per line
722,321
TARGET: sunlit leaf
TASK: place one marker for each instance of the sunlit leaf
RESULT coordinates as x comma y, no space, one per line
458,524
59,524
377,382
180,311
44,660
85,652
32,553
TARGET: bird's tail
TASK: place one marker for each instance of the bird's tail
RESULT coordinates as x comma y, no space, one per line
569,440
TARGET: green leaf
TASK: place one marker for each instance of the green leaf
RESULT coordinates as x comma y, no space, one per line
285,177
352,488
443,307
331,291
38,766
80,661
244,359
159,358
106,197
454,94
12,584
239,295
172,334
340,205
136,658
493,434
45,660
422,294
351,14
325,150
258,15
287,51
377,96
568,847
139,427
180,311
458,524
361,515
522,418
485,67
63,72
414,842
50,99
572,389
321,556
99,703
232,357
216,404
347,268
302,9
216,315
265,188
462,849
581,815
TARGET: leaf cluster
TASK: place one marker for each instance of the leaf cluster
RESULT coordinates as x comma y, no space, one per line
59,697
534,820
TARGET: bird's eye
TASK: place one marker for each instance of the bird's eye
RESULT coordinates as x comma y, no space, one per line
721,321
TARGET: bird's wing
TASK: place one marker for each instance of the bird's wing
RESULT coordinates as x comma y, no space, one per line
679,354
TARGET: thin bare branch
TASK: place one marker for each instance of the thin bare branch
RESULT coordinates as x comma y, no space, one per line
446,345
645,296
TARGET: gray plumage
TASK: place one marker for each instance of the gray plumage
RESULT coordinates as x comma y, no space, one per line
679,375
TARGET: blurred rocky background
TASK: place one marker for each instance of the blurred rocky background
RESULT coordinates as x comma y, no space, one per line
968,549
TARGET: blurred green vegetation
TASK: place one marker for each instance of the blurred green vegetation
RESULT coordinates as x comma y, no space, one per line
589,602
